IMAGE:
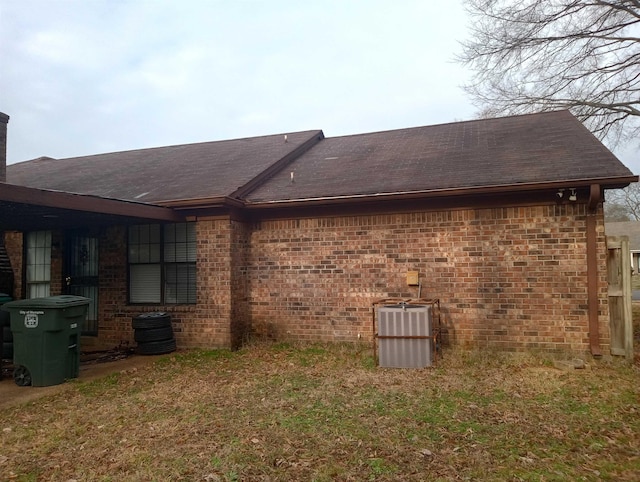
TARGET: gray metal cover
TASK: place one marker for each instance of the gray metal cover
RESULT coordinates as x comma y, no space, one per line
404,321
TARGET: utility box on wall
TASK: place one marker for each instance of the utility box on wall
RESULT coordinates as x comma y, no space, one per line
413,278
405,336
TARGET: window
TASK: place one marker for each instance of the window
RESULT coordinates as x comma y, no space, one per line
38,264
162,263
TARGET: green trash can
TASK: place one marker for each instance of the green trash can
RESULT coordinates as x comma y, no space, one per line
46,338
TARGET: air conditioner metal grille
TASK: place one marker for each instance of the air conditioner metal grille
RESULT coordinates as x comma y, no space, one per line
404,336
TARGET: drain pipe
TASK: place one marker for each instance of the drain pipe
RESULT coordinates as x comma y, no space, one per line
595,197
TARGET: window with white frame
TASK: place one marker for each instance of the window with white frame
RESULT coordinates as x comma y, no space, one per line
162,263
38,275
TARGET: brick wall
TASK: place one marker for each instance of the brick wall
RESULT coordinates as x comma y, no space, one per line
217,320
206,324
510,278
211,325
115,314
13,244
240,289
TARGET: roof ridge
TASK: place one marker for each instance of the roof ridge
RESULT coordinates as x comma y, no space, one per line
457,122
277,166
142,149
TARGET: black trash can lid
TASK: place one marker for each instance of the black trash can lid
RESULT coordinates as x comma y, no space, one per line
153,314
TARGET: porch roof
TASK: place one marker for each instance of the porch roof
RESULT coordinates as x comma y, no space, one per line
24,209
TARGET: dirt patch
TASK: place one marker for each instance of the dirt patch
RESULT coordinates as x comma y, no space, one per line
93,368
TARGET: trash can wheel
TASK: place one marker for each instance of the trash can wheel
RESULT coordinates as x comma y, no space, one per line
21,376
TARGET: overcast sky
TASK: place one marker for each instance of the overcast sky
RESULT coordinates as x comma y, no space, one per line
83,77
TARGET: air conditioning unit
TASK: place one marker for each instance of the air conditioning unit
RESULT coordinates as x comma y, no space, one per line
404,336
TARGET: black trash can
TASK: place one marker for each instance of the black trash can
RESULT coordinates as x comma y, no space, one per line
46,338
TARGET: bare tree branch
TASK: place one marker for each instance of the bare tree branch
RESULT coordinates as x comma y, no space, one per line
624,202
540,55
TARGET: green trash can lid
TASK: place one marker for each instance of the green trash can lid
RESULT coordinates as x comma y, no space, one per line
60,301
4,297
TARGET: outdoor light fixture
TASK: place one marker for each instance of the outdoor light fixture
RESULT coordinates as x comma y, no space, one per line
572,197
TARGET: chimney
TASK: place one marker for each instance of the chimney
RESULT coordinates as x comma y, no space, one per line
4,120
6,273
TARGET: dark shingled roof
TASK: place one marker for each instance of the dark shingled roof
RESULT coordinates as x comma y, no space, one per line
192,171
535,148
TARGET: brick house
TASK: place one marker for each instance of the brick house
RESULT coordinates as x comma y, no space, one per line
294,236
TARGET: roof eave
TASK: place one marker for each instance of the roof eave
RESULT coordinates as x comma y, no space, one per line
85,203
606,183
203,203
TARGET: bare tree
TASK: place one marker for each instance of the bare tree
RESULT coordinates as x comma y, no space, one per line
623,203
539,55
615,212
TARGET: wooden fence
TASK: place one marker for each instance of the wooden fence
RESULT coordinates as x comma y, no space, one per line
619,278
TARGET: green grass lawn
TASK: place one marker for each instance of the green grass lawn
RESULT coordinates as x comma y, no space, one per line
326,412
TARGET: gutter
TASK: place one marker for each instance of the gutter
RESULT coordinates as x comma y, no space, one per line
202,203
236,199
610,183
